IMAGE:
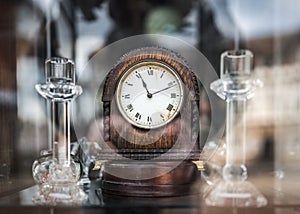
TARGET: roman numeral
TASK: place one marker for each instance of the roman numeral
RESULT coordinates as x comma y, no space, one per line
130,84
161,76
150,72
149,119
171,83
126,96
138,75
170,107
138,116
130,107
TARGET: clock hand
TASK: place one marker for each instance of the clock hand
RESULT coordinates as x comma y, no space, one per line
149,95
163,89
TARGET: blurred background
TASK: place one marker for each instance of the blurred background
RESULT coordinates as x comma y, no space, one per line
32,30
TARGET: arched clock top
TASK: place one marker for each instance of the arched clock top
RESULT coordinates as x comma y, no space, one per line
154,54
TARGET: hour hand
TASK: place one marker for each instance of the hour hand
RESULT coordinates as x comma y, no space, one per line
145,86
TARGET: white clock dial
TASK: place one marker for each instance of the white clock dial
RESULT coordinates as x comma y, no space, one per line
149,94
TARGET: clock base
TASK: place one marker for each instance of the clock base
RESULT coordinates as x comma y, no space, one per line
176,181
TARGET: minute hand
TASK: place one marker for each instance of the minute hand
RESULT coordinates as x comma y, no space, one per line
162,89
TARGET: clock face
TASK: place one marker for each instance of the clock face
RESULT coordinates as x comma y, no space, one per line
149,94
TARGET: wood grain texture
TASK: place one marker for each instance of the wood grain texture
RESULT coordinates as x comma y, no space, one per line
176,182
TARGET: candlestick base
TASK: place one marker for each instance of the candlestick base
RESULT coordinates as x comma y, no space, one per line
60,194
235,194
57,182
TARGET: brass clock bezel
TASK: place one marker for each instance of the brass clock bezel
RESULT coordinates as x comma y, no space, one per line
133,68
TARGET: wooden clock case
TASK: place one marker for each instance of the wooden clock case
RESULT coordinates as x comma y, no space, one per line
137,145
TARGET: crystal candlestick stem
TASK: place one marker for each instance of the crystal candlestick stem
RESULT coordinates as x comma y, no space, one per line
57,176
236,86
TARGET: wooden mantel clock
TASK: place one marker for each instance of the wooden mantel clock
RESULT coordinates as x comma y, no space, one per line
151,117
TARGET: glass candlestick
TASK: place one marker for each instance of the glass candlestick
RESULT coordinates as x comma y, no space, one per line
55,172
236,86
